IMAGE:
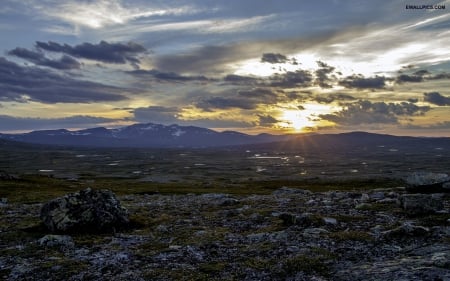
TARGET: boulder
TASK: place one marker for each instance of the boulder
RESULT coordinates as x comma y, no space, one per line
84,211
426,182
420,204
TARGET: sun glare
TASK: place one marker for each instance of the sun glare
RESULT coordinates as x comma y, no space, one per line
296,119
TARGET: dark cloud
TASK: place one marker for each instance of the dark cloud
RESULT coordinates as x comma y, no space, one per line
421,76
266,120
360,82
292,79
333,97
436,98
366,112
104,52
168,76
238,79
243,99
324,77
416,77
208,59
156,114
19,83
38,58
274,58
10,123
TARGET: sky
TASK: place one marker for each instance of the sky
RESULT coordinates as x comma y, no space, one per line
285,66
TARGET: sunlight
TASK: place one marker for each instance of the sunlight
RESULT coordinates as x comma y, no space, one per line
296,119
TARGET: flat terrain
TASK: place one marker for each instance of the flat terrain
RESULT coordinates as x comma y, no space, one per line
241,213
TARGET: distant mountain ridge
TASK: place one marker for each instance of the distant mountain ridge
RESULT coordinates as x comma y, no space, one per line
143,135
174,136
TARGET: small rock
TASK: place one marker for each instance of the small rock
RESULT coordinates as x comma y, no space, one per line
406,229
62,241
288,191
313,232
363,206
364,198
418,204
377,196
441,260
331,221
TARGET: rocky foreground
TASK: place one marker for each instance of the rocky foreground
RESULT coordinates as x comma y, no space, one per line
291,234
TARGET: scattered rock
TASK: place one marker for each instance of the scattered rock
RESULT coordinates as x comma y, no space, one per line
427,182
406,229
419,204
85,211
61,241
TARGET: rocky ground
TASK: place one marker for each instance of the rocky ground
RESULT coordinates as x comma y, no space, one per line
291,234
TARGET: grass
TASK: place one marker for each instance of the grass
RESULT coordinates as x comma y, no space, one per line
343,236
40,188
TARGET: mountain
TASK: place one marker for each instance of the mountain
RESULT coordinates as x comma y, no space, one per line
143,135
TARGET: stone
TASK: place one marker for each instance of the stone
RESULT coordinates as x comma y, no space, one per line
427,182
407,229
420,204
84,211
61,241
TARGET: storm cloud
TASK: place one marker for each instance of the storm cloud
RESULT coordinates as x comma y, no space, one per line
367,112
168,76
39,58
79,121
21,83
117,53
273,58
436,98
360,82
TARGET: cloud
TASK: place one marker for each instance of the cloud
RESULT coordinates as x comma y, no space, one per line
436,98
274,58
38,58
421,76
241,80
227,103
10,123
437,126
266,120
171,115
157,114
117,53
323,75
333,97
292,79
360,82
242,99
169,76
367,112
102,13
19,83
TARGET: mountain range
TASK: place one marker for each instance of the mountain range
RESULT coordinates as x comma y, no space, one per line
143,135
175,136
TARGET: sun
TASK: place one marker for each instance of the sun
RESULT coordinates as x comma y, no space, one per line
296,119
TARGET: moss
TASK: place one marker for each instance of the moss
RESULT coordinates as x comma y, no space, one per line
307,264
435,220
351,235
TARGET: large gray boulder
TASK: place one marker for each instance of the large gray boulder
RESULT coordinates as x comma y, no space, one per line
84,211
427,182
